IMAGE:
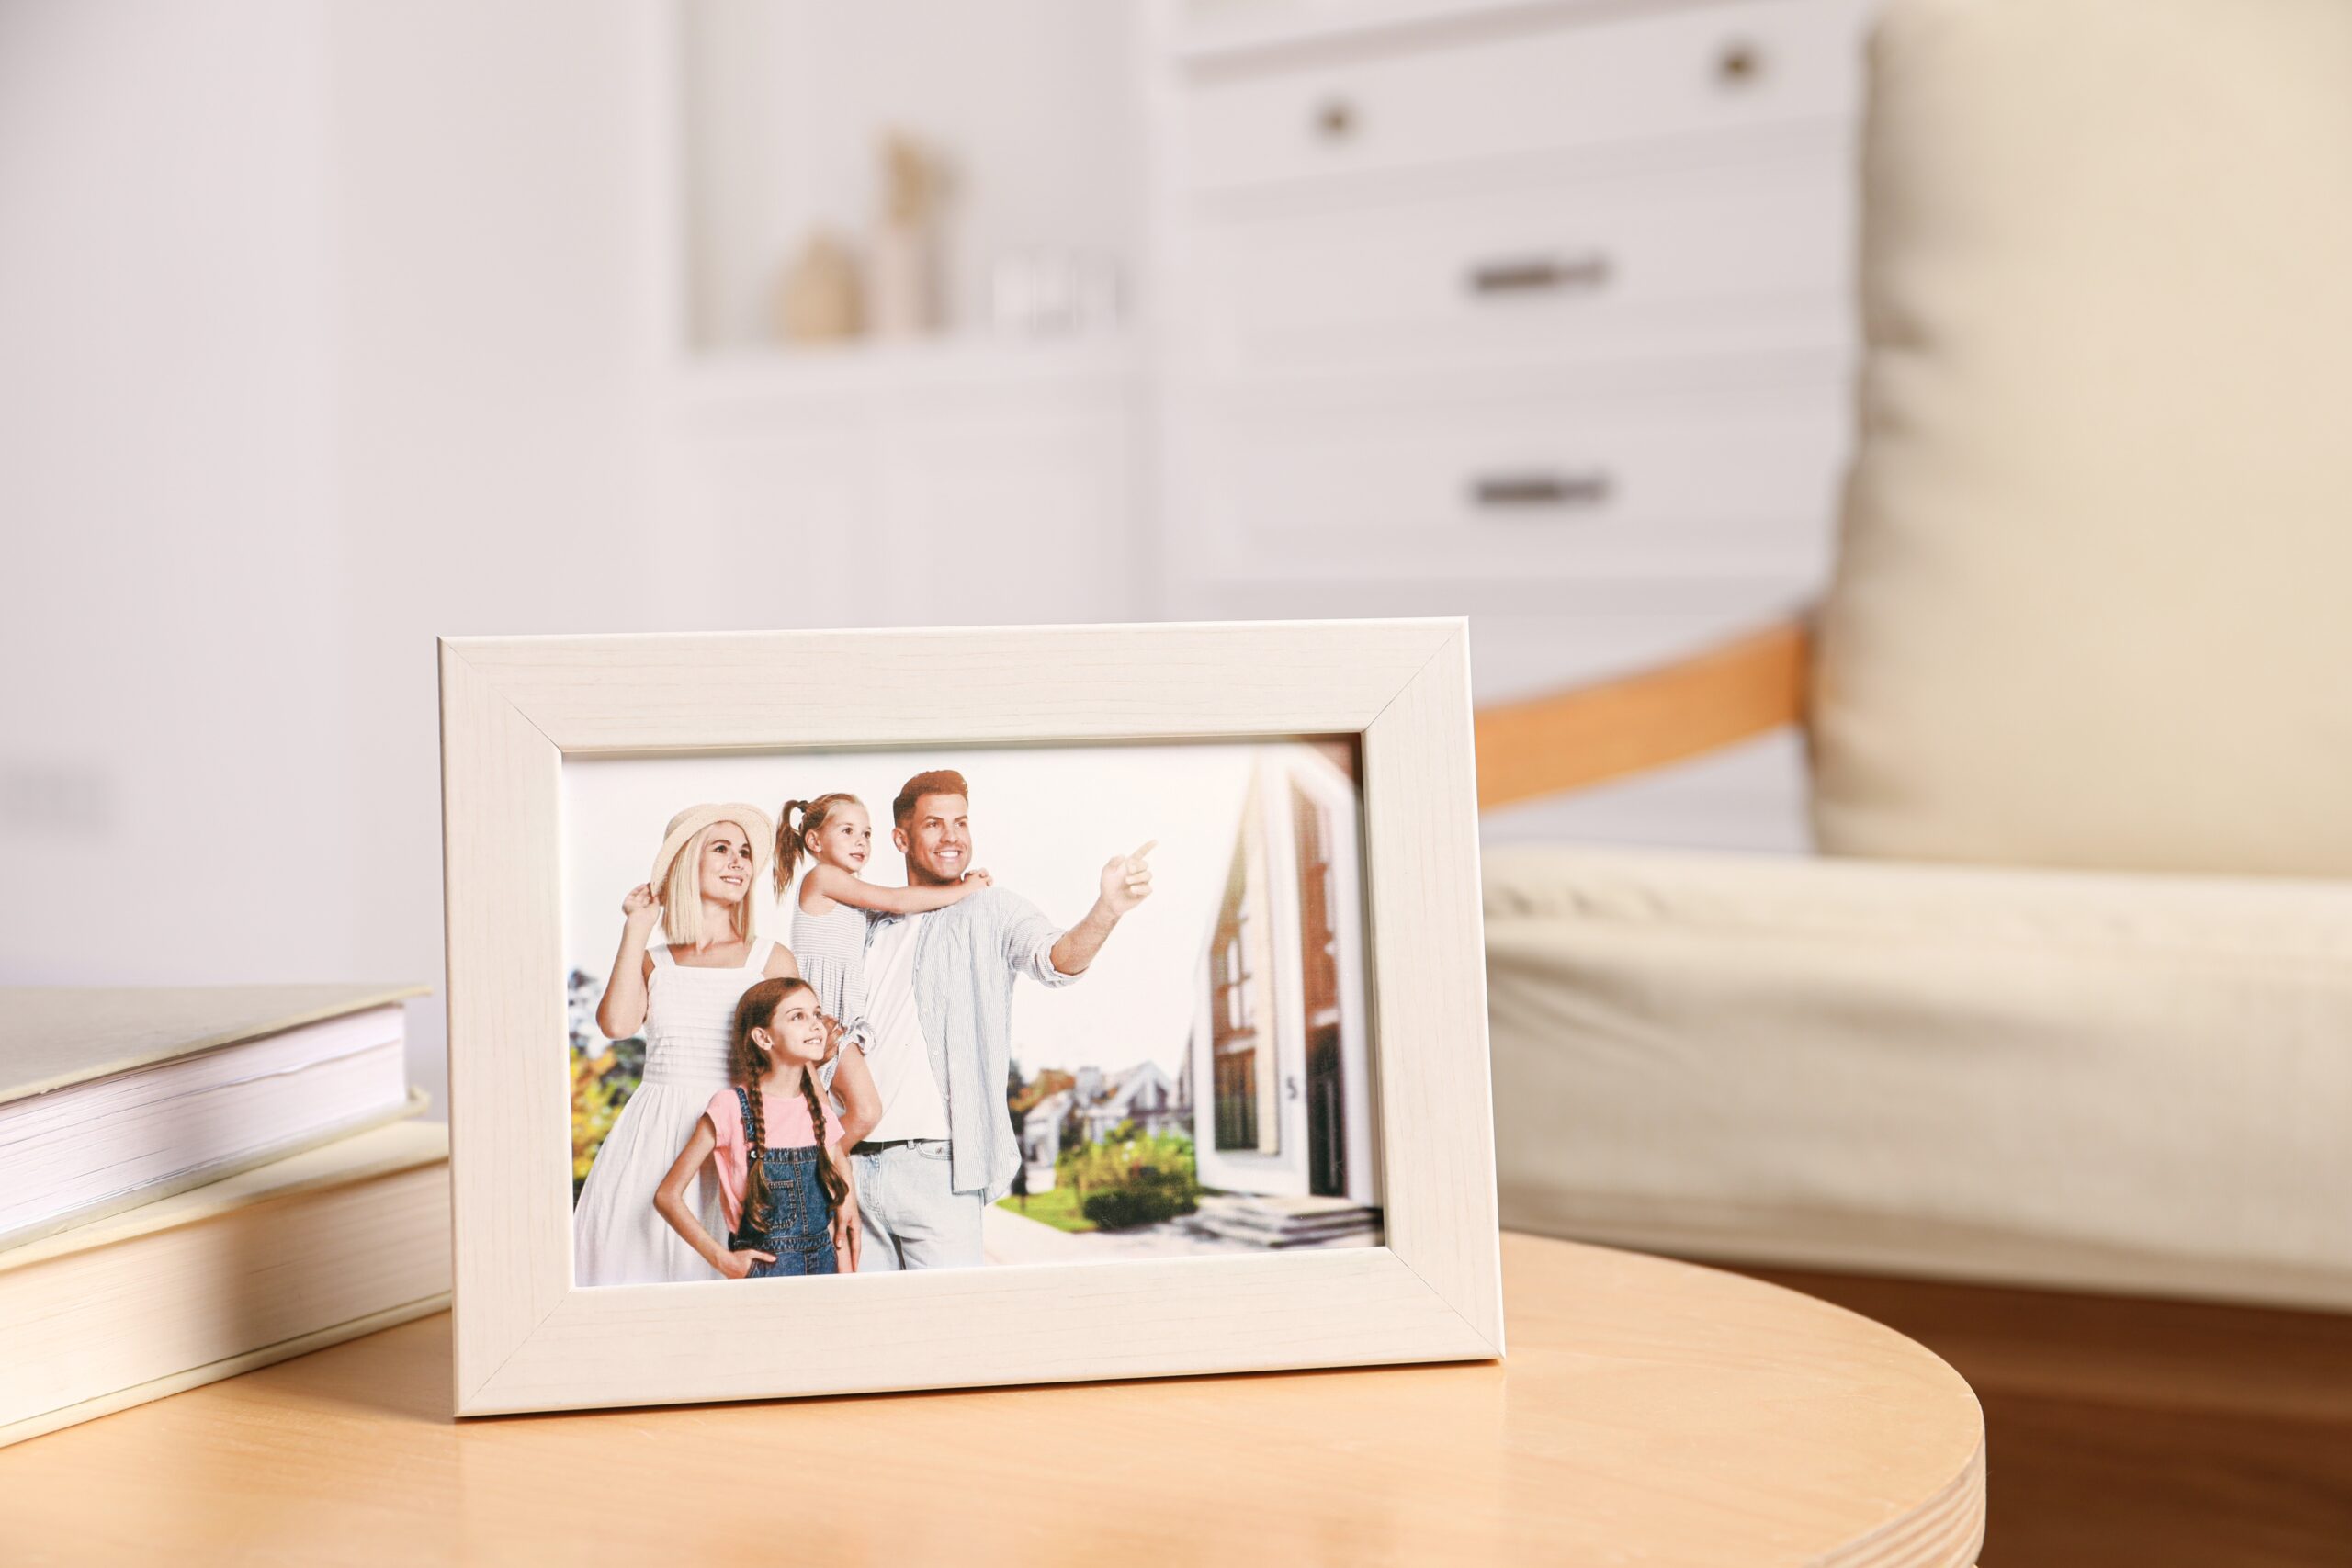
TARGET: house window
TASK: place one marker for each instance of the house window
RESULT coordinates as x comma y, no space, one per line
1319,941
1233,1036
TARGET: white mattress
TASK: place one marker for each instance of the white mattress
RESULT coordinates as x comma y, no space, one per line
2085,1081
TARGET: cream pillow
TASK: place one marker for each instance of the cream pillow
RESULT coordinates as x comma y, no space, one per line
2094,600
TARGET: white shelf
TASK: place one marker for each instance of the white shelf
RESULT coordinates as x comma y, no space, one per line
778,108
953,364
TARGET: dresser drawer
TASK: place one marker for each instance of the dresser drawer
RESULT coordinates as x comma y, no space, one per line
1568,84
1751,256
1717,484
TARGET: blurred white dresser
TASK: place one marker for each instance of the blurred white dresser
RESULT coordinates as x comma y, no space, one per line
1536,312
937,484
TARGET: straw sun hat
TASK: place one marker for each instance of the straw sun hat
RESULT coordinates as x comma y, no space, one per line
694,819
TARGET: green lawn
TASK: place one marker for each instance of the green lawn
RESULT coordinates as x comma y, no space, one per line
1057,1209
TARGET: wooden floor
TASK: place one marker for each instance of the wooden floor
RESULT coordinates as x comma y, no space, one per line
2124,1431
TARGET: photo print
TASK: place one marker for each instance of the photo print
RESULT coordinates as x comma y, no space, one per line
909,1009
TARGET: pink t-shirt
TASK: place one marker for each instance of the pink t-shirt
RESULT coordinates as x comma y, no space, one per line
786,1119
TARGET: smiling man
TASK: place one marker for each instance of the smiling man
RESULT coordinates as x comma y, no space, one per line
937,1031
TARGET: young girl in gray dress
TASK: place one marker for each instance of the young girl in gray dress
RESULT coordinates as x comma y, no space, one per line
829,917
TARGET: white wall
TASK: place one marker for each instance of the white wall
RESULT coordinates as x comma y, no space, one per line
493,308
325,331
175,737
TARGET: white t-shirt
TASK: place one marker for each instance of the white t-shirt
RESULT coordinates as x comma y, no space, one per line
896,1052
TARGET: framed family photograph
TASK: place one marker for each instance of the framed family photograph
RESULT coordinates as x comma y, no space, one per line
837,1012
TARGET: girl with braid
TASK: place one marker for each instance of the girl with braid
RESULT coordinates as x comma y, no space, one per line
782,1177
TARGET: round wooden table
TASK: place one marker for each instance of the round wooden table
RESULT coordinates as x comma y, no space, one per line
1650,1412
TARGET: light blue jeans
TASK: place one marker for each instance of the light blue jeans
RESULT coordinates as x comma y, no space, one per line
912,1217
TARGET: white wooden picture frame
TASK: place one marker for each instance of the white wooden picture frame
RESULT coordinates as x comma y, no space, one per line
513,709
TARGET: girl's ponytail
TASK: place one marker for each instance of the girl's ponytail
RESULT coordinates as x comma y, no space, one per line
787,843
756,1196
835,1188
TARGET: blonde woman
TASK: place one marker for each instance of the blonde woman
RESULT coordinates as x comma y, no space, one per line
683,995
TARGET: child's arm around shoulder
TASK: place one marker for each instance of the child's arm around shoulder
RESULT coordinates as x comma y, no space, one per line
842,888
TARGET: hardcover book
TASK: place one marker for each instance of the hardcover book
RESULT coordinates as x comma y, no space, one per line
114,1098
286,1257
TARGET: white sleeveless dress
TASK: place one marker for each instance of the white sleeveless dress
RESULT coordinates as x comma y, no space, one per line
616,1238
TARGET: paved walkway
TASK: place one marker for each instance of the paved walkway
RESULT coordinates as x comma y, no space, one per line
1006,1237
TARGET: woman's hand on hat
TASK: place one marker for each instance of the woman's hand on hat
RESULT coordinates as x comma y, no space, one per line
641,908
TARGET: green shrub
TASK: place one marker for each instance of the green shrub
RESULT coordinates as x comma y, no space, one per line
1131,1178
1149,1197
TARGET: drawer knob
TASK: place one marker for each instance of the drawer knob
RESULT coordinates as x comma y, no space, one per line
1335,119
1510,491
1739,64
1538,274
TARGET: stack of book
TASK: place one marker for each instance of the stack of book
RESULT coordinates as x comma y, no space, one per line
197,1182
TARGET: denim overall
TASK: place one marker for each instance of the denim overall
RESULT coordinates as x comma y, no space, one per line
800,1216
